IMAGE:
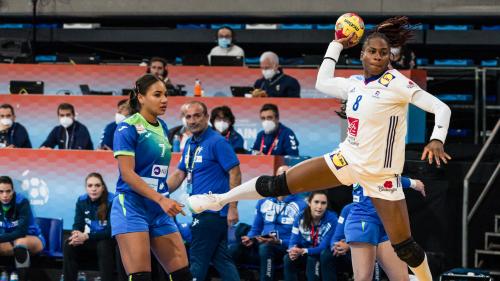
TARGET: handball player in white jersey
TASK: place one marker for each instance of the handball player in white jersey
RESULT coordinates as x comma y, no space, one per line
373,152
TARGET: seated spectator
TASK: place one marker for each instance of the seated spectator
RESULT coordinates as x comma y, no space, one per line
311,233
225,44
222,119
159,67
19,235
402,58
71,134
108,134
181,132
275,83
338,252
12,134
270,232
275,138
91,230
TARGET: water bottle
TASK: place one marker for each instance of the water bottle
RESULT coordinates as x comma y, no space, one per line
62,277
4,276
82,276
198,91
14,276
176,145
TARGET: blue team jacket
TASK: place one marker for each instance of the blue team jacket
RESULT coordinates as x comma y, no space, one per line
108,135
18,220
302,237
287,142
274,215
86,218
279,86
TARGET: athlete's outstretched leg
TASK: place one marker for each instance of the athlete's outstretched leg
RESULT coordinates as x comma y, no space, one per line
310,175
394,216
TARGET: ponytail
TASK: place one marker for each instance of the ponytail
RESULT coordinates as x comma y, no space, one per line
141,88
396,31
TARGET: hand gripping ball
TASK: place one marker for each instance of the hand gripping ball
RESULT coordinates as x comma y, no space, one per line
350,23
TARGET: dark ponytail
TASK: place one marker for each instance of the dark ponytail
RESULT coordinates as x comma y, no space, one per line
141,88
396,31
307,219
102,210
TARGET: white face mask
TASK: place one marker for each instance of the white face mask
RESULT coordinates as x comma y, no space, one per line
221,126
66,121
119,117
396,51
268,73
184,122
268,126
6,122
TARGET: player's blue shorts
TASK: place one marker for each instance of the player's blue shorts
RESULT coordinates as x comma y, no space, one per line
364,232
132,212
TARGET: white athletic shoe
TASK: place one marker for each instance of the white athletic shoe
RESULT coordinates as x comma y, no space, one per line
202,202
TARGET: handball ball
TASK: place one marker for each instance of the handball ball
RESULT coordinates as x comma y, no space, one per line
350,23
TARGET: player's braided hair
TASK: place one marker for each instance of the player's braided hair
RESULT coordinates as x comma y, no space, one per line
396,31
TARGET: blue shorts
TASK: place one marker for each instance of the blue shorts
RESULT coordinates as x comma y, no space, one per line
132,212
365,232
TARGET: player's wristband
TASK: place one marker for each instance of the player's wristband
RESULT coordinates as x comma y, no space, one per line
330,58
305,252
413,183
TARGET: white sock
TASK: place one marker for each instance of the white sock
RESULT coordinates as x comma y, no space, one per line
245,191
423,272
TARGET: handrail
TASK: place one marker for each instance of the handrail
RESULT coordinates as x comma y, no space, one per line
465,207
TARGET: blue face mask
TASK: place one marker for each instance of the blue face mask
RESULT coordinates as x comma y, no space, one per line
224,42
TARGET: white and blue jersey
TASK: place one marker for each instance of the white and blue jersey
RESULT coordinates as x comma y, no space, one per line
272,215
315,238
149,145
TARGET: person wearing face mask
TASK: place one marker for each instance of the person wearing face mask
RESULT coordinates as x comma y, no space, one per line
91,230
402,57
222,119
107,137
225,44
12,134
181,131
275,138
70,134
275,83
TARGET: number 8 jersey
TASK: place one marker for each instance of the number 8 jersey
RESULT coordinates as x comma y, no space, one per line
376,114
150,147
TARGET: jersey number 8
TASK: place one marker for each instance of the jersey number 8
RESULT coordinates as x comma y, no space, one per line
355,106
